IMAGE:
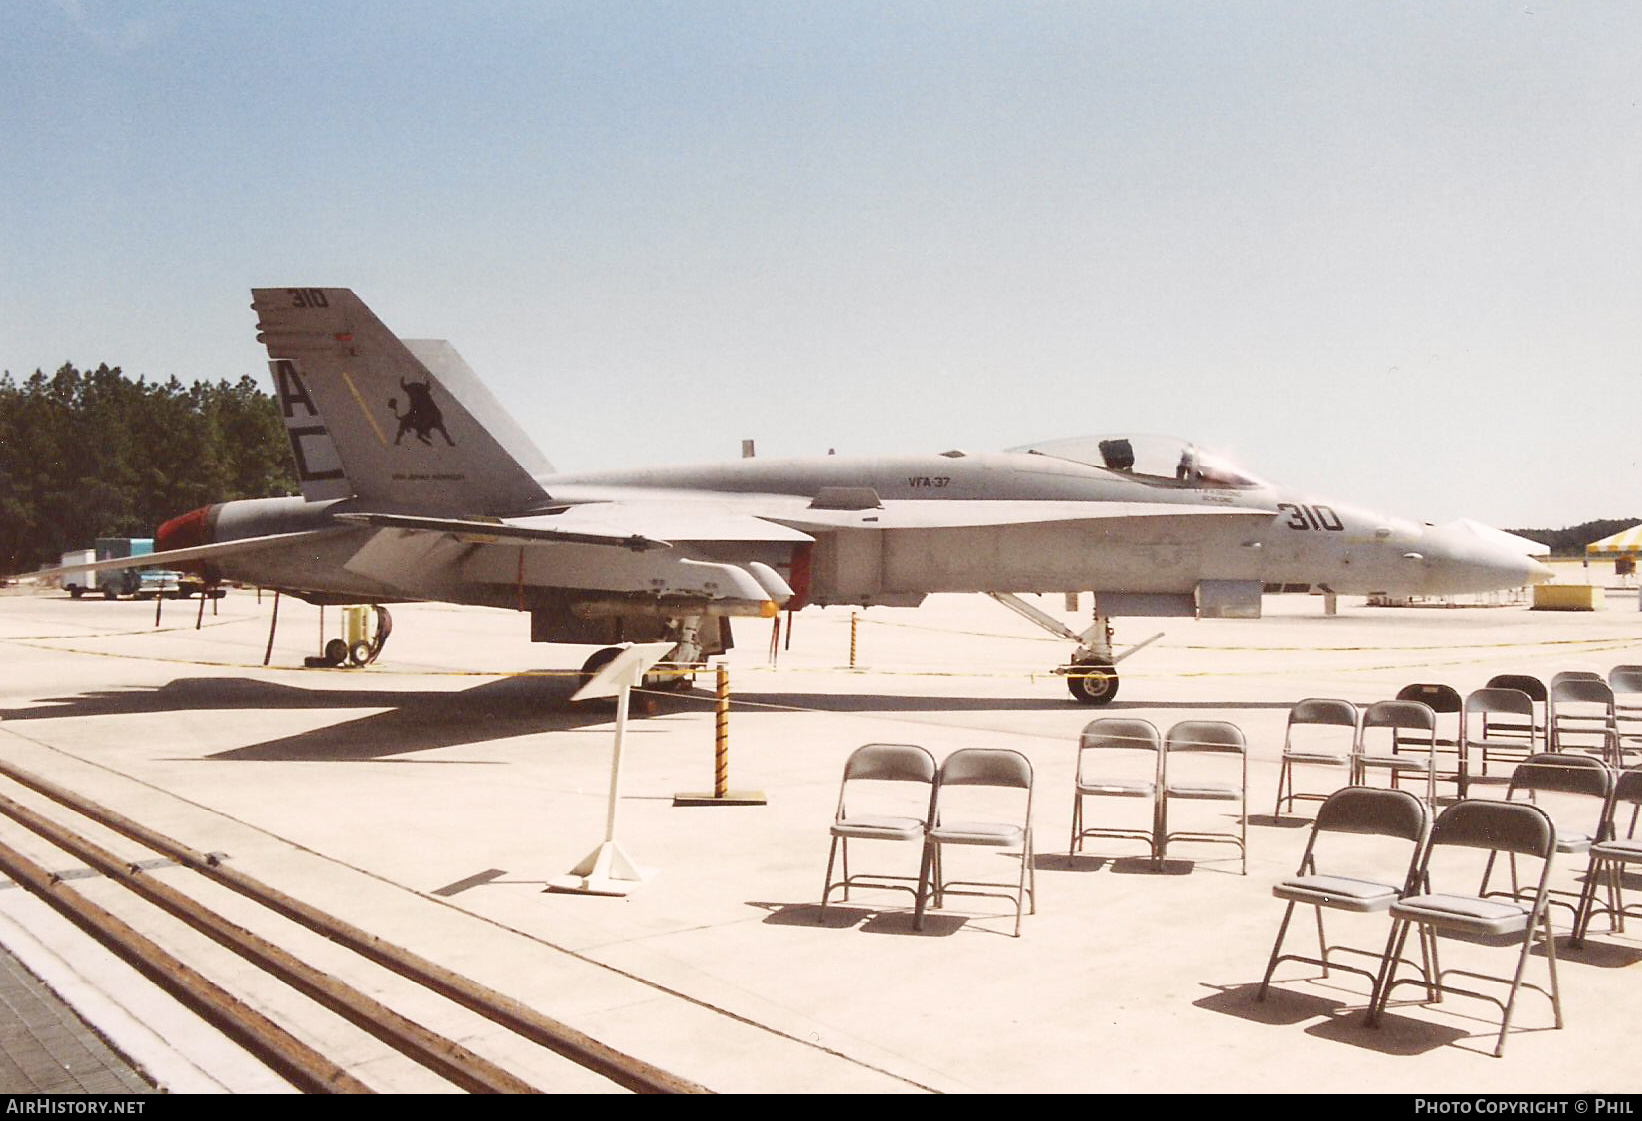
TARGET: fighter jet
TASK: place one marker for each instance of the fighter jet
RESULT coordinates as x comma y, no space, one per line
417,485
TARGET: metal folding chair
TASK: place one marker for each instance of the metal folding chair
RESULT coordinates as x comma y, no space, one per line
1574,790
1118,758
887,818
1445,702
1362,810
1492,826
1315,712
1582,716
1626,683
1611,855
1496,725
979,767
1205,737
1410,729
1537,692
1575,675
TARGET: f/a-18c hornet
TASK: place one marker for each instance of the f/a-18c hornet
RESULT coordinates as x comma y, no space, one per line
416,485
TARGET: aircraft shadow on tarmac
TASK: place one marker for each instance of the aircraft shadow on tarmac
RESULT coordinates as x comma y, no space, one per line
423,720
416,720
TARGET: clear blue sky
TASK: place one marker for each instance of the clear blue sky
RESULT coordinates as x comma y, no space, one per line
1391,251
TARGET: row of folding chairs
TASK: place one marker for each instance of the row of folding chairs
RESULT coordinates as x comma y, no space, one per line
1397,737
1497,725
1493,915
1121,757
897,792
938,806
1579,710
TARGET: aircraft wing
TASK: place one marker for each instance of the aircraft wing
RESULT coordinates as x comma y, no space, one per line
672,520
510,531
639,526
960,513
627,547
438,559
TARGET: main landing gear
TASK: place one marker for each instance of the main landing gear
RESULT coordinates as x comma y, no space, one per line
676,672
1091,673
361,647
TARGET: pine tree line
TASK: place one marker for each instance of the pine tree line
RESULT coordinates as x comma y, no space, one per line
1571,541
96,454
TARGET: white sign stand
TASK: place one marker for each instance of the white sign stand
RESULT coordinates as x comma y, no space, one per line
607,870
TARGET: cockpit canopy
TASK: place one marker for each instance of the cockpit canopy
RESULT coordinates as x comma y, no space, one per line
1161,460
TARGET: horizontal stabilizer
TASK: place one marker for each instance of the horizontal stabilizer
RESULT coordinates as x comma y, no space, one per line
195,553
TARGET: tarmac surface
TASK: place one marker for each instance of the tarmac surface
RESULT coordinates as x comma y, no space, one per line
431,798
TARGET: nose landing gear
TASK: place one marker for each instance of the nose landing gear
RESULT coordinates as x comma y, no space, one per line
1091,674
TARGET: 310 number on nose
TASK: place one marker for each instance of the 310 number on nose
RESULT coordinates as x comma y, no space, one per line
1312,517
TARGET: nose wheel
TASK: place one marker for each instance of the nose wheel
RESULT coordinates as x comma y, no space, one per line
1092,681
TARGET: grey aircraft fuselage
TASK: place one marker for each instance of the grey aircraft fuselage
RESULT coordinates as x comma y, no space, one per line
1282,539
1306,544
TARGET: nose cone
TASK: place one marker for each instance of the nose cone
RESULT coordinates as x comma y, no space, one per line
1539,573
1467,556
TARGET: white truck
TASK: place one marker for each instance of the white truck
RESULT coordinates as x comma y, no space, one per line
76,583
143,583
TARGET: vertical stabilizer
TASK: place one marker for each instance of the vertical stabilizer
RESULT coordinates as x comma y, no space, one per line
452,370
406,427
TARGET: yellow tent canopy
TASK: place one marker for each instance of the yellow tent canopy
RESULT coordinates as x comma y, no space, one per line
1625,543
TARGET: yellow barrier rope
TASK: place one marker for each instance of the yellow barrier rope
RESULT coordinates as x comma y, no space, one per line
1189,646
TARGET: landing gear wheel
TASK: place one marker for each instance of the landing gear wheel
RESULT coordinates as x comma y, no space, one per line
681,682
598,660
336,652
359,653
1092,682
